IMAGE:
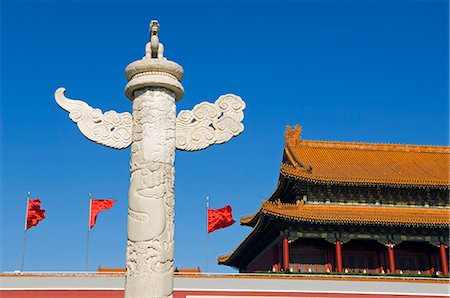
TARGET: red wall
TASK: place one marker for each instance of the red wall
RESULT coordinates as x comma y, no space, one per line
183,294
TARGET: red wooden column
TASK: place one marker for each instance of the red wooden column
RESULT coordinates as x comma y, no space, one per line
276,257
391,258
380,263
285,254
338,256
444,261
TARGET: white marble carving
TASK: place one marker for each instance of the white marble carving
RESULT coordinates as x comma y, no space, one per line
110,129
154,131
210,123
154,49
151,197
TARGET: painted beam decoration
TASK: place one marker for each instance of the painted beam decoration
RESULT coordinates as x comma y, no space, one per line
154,132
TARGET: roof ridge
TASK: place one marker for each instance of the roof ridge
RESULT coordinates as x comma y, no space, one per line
293,138
375,146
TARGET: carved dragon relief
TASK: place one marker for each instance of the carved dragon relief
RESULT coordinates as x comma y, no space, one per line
110,129
206,124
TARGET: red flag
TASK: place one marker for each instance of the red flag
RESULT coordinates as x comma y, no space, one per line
96,207
220,218
34,213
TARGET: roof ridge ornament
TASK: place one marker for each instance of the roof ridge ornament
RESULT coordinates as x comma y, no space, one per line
292,138
293,133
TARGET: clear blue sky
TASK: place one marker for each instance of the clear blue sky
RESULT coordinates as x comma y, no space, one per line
369,71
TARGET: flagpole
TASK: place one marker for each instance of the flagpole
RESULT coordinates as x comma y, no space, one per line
207,235
25,233
89,229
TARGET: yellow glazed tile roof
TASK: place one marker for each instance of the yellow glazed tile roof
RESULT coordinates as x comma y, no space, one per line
361,214
365,163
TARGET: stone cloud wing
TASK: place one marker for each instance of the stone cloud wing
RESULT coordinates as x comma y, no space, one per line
210,123
110,129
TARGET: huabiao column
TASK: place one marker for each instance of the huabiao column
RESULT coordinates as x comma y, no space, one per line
154,87
154,132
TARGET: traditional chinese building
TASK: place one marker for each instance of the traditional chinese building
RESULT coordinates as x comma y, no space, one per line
352,207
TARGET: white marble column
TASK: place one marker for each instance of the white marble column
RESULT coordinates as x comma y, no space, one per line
151,196
154,132
154,86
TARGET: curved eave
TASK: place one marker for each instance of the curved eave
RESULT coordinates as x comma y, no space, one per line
230,258
344,215
250,220
360,215
302,175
